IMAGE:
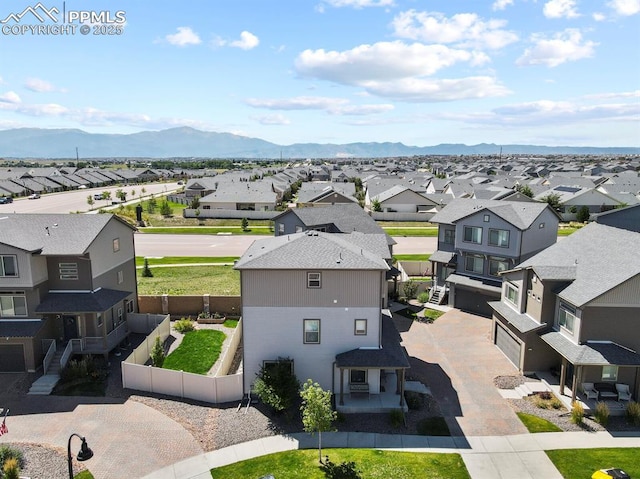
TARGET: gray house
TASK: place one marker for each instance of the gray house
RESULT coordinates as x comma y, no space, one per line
318,299
477,239
64,279
575,307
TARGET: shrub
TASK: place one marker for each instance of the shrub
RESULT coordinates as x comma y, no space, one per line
546,395
157,353
8,452
11,469
146,272
245,224
577,413
633,413
276,385
396,418
583,214
410,288
602,413
556,403
344,470
79,369
184,325
423,297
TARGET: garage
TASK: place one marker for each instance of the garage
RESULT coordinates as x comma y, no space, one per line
508,345
12,358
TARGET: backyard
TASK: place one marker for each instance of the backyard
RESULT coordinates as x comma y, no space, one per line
193,280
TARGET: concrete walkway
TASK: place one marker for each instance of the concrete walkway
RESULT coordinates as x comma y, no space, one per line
486,457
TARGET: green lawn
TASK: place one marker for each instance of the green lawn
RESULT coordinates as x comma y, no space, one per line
412,257
231,323
207,230
416,231
566,231
185,260
537,424
83,475
432,314
195,280
374,464
198,351
581,463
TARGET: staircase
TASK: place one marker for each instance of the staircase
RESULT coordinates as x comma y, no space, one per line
438,295
45,384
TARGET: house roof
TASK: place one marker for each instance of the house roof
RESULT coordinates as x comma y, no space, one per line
597,258
442,256
519,214
20,328
521,322
88,302
593,353
316,250
473,283
244,192
53,234
390,355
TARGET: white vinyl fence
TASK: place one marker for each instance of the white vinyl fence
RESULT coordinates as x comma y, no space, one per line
219,389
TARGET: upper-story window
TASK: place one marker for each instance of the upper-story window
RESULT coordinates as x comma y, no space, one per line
116,245
566,317
474,263
449,236
473,234
499,238
487,218
13,304
511,293
314,280
8,266
68,270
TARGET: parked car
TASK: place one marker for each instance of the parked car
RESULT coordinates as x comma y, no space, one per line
5,200
34,196
97,196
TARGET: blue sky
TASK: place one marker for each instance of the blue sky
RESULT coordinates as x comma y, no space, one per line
420,72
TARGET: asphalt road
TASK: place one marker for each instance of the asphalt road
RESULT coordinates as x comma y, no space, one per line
156,245
74,201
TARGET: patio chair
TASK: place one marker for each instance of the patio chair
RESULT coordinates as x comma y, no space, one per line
590,391
623,392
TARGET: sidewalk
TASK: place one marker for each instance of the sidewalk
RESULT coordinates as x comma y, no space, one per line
486,457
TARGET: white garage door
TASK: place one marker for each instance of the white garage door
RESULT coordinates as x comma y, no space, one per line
509,346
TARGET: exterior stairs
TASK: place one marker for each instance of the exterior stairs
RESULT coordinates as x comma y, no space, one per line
45,384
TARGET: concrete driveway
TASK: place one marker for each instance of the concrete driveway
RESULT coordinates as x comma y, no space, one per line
454,356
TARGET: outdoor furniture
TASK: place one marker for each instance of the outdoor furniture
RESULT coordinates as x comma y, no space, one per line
606,391
590,391
623,392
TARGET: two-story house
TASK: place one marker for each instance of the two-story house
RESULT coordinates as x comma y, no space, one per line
575,307
318,299
477,239
62,278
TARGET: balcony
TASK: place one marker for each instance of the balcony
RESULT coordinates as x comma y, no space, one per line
100,345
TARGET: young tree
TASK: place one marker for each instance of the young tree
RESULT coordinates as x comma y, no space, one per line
157,353
583,214
121,195
553,200
245,224
106,195
317,413
195,203
146,272
151,205
165,209
525,190
375,205
90,201
276,385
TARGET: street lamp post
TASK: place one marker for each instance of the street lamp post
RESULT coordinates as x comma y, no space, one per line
84,454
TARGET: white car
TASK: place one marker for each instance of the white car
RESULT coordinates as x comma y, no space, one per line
34,196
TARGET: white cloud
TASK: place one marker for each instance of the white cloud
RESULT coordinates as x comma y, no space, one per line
184,37
358,3
334,106
564,46
625,7
247,41
466,29
10,97
616,95
560,9
599,17
38,85
501,4
272,120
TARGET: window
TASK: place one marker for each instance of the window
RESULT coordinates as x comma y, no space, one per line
314,280
609,373
511,293
8,266
566,317
116,245
281,228
474,263
298,229
68,271
312,331
13,304
99,319
496,265
473,234
487,218
360,327
358,376
499,238
120,316
270,365
120,277
449,236
129,306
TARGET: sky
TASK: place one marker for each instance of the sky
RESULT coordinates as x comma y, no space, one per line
420,72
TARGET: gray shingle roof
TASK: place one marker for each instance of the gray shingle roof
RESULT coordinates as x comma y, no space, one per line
24,328
54,234
91,302
601,257
442,256
315,250
519,214
592,353
473,283
521,322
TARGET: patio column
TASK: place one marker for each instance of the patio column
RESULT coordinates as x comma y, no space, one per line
341,387
574,385
402,388
397,381
563,375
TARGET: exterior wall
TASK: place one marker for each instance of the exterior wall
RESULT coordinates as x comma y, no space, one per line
627,218
272,332
103,258
471,300
31,269
442,246
290,222
519,280
405,202
625,294
536,239
594,199
84,281
373,379
620,325
272,288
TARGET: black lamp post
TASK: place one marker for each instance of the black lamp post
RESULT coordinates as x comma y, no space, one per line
84,454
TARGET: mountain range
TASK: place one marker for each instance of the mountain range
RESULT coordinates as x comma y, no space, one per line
184,142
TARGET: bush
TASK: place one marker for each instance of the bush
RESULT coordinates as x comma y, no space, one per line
276,385
79,369
410,288
396,418
7,452
602,413
632,413
157,353
577,413
556,403
546,395
423,297
184,325
11,469
146,272
344,470
583,214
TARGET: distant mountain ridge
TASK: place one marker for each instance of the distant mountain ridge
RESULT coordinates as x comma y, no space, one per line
188,142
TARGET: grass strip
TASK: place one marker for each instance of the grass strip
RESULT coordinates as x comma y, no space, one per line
197,352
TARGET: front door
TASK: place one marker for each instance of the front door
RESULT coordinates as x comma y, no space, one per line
70,324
